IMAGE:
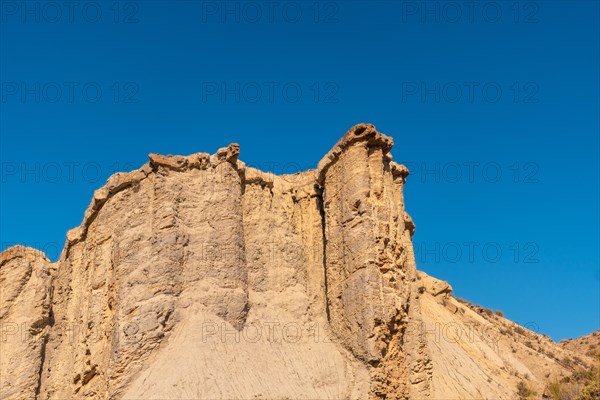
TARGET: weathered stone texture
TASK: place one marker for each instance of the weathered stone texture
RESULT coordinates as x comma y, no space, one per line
197,277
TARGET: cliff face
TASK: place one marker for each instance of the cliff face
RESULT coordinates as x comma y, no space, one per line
200,278
25,318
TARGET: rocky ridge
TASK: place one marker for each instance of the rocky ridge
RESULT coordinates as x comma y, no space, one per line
198,277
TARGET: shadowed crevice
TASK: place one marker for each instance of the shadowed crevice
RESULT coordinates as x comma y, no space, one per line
321,206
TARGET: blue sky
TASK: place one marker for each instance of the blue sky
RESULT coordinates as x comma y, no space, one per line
494,107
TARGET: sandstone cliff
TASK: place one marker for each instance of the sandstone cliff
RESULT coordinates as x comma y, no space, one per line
198,277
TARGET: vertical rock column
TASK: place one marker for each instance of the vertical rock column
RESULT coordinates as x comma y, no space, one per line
25,319
152,242
214,273
362,230
369,262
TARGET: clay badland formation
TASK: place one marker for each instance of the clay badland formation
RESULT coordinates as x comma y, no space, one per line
198,277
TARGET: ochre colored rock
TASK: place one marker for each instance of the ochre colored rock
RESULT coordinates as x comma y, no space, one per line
433,286
197,277
25,320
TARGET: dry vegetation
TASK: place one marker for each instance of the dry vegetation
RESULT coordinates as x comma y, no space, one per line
583,384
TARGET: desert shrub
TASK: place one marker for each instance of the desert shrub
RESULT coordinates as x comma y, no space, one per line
593,354
556,390
590,391
524,391
499,313
519,330
567,361
583,384
529,344
584,375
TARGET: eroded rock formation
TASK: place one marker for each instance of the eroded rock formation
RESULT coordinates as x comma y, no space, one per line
198,277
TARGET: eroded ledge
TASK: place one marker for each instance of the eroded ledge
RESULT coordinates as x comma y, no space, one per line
123,180
358,133
399,171
20,251
197,160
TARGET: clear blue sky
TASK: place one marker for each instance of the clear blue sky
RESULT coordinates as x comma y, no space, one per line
468,93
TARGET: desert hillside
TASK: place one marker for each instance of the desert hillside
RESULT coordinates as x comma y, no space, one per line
588,345
197,277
